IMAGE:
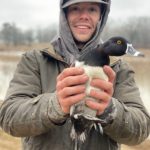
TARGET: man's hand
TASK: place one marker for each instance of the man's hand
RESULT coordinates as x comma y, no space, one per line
103,96
70,87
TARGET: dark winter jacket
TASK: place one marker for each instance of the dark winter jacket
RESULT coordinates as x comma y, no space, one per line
31,109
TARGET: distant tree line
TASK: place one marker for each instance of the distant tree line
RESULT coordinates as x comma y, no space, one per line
10,34
136,30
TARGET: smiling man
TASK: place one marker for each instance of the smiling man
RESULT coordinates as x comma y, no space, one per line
44,87
83,19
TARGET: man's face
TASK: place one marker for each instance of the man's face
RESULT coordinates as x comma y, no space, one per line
83,19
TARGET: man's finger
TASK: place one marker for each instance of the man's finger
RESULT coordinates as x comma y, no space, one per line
110,73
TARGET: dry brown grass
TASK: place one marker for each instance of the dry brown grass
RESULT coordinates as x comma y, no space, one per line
8,142
4,47
143,146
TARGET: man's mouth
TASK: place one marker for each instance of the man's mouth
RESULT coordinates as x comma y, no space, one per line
83,26
83,29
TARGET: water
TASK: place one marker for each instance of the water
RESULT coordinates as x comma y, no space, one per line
8,63
6,74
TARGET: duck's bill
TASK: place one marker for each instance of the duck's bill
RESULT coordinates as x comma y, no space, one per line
133,52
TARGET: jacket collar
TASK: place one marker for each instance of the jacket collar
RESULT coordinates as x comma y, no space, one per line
52,53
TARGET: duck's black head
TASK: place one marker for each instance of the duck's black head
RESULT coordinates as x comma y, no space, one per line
115,46
118,46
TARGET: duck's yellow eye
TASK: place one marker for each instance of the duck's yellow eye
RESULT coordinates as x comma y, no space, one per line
119,42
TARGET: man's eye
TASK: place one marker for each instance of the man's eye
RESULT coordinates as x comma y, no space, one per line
74,9
92,9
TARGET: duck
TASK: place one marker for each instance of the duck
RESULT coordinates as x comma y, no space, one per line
83,118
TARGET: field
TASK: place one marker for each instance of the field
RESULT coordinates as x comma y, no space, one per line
8,142
3,47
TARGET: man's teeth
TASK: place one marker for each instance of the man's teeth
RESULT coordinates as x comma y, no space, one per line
83,27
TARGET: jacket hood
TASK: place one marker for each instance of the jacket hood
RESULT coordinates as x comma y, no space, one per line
64,43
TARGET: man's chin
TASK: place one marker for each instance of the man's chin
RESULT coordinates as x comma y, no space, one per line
81,43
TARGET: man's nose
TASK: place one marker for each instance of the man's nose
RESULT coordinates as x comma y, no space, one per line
84,14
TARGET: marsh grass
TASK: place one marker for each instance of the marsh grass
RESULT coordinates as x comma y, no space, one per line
10,47
8,142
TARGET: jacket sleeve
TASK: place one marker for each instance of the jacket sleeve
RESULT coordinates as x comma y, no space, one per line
27,111
131,123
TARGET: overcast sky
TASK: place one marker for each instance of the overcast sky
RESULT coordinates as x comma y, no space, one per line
34,13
